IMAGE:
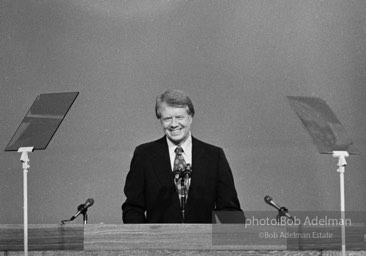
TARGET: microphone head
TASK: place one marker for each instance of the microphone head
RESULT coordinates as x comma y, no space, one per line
177,173
268,199
89,202
187,173
187,170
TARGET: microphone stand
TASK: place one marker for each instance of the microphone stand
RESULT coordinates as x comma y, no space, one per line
83,212
184,177
184,188
183,198
282,212
178,176
85,218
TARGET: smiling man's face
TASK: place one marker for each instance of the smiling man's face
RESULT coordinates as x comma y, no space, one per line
176,122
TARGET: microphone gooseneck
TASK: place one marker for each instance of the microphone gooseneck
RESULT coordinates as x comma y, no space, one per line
82,209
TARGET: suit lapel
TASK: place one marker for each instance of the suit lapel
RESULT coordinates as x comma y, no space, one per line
199,158
162,169
161,162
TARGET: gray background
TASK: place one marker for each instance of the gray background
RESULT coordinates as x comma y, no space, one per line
238,60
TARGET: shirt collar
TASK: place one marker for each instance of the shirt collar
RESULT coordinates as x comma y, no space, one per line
186,145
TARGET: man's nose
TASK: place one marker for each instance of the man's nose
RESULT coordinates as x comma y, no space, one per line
174,122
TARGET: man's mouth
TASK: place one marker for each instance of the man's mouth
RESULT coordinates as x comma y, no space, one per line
175,131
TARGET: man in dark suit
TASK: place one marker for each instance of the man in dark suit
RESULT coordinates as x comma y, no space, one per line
154,192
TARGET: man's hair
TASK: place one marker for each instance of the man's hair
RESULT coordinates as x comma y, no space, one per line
174,98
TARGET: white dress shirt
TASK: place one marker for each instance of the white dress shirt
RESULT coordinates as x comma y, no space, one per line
187,150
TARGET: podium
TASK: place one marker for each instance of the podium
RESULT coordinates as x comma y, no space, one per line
166,239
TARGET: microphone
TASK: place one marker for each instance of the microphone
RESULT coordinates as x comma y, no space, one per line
272,203
83,208
187,171
177,174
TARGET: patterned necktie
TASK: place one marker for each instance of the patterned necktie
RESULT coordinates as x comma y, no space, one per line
180,164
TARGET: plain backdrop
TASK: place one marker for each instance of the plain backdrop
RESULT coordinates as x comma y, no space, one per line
237,59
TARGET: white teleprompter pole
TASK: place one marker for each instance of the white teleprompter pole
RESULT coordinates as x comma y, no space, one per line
341,155
25,160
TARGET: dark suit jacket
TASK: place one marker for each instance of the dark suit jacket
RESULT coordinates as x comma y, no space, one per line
151,195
